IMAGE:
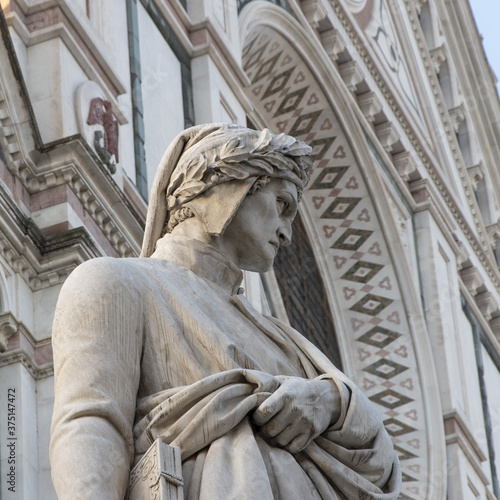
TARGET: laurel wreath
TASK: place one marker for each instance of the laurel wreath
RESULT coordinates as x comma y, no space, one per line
272,155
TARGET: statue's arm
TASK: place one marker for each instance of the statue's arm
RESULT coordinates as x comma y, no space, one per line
357,437
97,342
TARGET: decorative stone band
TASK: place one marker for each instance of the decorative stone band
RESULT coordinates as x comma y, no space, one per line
17,345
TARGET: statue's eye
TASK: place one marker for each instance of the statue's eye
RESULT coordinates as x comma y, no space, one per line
282,205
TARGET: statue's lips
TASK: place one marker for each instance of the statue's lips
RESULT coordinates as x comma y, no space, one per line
275,246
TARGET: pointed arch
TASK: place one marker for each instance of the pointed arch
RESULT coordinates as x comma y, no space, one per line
351,224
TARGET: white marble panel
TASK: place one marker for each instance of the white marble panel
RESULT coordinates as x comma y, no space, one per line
22,307
55,215
44,307
45,405
22,436
161,92
72,76
212,96
492,379
44,86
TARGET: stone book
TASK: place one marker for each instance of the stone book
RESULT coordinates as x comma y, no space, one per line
158,475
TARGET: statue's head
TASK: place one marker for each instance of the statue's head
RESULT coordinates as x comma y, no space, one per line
241,186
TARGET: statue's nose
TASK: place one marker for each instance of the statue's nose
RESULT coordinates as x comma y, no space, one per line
285,234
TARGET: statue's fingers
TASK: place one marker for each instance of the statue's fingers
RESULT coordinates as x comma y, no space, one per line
288,434
270,407
276,425
300,442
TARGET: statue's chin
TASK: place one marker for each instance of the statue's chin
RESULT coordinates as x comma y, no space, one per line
258,267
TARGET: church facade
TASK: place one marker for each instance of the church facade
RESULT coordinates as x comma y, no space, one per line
394,267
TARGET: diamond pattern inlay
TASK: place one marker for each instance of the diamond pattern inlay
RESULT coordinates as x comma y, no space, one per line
340,208
407,477
255,57
371,304
352,239
403,454
385,368
266,68
362,271
304,123
390,399
324,143
329,178
290,102
288,95
278,83
379,337
396,428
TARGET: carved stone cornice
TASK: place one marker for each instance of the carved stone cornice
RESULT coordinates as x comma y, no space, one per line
406,165
71,161
8,327
487,304
438,56
457,115
21,347
472,279
457,431
418,4
24,248
333,43
387,135
475,235
493,232
352,74
476,173
495,327
370,105
315,12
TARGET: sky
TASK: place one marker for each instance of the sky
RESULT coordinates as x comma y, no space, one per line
487,15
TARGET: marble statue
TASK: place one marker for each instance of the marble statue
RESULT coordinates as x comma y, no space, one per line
167,345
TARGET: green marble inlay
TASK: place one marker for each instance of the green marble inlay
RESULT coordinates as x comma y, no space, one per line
137,107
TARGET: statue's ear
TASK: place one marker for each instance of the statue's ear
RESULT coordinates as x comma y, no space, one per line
217,206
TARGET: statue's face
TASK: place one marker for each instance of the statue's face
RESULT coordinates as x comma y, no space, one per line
262,224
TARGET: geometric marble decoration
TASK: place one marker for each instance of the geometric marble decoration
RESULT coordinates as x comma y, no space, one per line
359,266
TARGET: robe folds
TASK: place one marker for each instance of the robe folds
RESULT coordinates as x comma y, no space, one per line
169,346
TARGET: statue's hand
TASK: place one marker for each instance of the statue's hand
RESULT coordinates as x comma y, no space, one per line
298,412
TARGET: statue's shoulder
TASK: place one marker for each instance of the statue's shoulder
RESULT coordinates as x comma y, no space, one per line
109,273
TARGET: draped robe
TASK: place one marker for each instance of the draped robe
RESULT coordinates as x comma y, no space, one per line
169,346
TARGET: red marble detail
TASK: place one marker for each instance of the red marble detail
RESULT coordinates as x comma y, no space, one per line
412,414
394,318
414,443
299,78
340,153
368,384
101,112
313,99
318,201
339,261
327,125
363,354
348,292
386,283
364,216
336,191
269,106
375,249
407,384
353,183
356,324
329,230
402,351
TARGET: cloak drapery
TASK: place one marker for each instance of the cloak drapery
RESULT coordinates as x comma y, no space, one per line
169,346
